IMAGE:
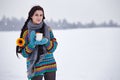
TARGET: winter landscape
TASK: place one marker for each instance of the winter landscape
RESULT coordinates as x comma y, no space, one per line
87,31
82,54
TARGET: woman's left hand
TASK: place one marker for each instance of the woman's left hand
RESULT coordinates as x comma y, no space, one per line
42,42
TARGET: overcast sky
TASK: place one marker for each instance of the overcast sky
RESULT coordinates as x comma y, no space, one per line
72,10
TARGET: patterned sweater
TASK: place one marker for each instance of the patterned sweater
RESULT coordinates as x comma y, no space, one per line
48,63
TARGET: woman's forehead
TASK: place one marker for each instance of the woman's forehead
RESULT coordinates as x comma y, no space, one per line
39,11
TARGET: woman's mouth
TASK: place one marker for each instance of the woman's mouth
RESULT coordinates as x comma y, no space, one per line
38,20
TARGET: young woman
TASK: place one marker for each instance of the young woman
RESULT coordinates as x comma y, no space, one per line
39,54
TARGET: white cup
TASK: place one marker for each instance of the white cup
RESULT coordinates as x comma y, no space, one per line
39,36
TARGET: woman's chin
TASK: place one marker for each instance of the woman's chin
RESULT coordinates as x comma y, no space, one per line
37,22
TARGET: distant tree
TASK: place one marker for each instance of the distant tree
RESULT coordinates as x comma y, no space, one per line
91,24
112,23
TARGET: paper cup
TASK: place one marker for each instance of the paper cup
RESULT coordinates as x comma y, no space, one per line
39,36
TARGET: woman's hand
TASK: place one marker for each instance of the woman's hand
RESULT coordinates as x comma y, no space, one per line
42,42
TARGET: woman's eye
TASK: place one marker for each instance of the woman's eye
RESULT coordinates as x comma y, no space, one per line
41,15
36,14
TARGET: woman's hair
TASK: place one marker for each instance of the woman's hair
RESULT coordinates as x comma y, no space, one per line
30,14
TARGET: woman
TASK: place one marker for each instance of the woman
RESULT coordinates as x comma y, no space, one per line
39,54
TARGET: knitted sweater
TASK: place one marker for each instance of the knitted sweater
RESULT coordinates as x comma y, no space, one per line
47,63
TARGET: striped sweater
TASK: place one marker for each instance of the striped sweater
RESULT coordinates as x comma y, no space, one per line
48,63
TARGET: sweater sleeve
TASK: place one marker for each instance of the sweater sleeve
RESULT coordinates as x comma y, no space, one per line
52,44
27,48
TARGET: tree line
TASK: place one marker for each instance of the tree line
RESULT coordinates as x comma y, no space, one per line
14,24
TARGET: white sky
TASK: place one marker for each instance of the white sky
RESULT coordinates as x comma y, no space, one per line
72,10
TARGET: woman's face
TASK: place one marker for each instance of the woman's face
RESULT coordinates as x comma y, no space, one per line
37,17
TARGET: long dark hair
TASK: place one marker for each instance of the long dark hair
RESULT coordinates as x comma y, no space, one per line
30,14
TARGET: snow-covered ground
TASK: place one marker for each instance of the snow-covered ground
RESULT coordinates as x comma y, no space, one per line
82,54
